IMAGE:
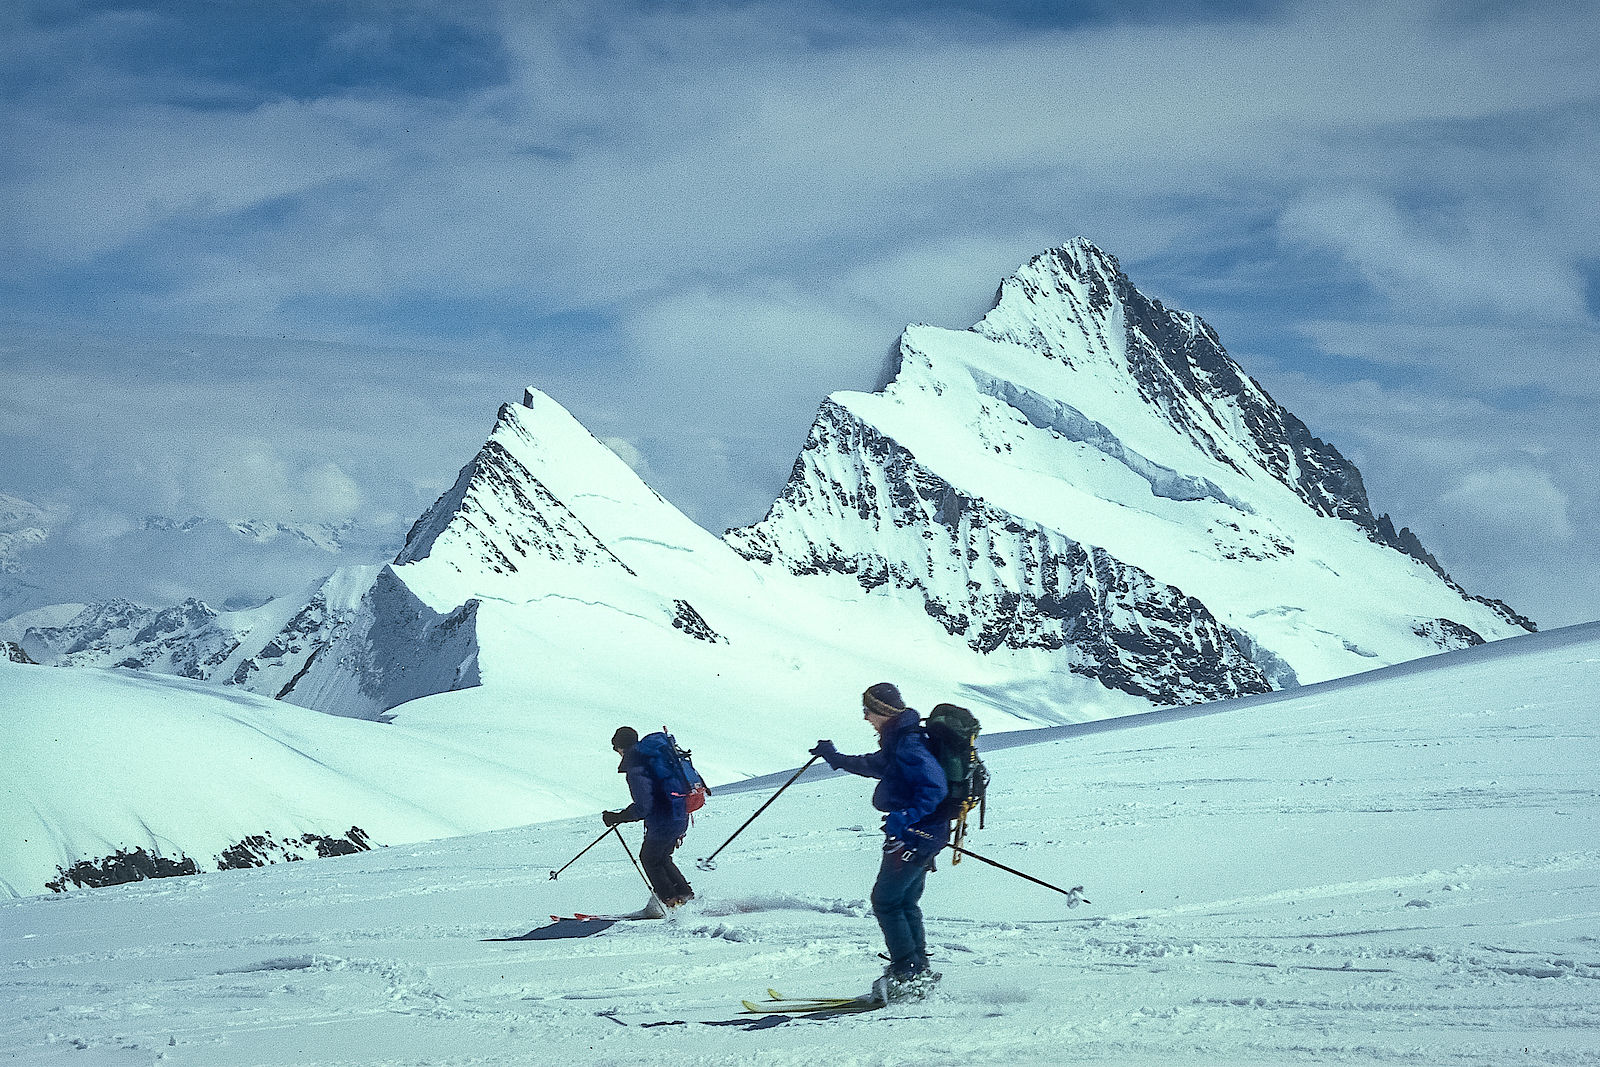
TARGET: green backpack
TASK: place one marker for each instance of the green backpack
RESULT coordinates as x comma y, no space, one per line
953,739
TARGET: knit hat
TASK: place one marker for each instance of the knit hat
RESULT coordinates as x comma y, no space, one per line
625,737
883,699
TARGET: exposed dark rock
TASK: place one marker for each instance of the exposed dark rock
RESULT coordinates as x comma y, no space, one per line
989,577
183,639
119,868
497,482
257,850
260,850
689,621
1448,634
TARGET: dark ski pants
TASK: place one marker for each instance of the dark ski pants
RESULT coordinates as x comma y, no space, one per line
665,878
896,897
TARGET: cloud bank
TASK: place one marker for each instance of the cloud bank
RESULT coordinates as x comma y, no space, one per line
309,255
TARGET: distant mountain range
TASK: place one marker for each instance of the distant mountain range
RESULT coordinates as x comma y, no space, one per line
50,555
1080,507
1083,482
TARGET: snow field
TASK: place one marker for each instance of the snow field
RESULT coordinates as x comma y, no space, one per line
1399,870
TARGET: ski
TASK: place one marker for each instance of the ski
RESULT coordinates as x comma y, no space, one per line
651,910
773,994
782,1005
849,1006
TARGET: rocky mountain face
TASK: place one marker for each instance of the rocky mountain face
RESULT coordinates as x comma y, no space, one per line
24,526
185,640
861,504
359,645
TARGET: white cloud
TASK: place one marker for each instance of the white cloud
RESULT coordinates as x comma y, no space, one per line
1451,265
629,453
235,479
95,525
1486,359
740,358
1500,495
722,136
1514,502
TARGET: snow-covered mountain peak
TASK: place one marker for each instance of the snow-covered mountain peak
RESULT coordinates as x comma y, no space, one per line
1085,453
1160,378
546,507
500,518
1079,508
23,526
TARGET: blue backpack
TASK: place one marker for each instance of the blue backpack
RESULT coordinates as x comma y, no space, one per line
670,766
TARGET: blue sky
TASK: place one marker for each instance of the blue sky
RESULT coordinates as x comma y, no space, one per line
283,260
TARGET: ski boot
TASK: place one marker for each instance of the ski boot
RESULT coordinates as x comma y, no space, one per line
893,988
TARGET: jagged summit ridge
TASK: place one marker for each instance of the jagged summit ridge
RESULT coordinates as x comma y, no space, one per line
1082,484
1075,304
500,516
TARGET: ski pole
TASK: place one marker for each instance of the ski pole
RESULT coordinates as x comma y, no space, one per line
1075,893
706,864
629,851
586,848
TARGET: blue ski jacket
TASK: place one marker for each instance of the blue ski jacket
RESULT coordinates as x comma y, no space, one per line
664,815
910,781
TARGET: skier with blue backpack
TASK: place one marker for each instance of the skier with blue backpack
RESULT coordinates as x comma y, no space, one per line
911,790
665,789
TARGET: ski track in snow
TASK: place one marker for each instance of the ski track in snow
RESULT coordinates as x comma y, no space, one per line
1405,871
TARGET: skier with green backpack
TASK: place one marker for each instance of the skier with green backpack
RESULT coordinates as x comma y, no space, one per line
914,792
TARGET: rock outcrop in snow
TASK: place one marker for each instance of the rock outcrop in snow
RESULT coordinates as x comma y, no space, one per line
861,504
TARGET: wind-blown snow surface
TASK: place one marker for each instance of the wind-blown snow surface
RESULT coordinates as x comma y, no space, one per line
1398,868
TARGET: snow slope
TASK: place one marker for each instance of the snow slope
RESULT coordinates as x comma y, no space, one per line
1398,868
96,762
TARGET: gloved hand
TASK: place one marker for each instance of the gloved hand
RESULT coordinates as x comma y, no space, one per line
826,750
896,824
611,818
